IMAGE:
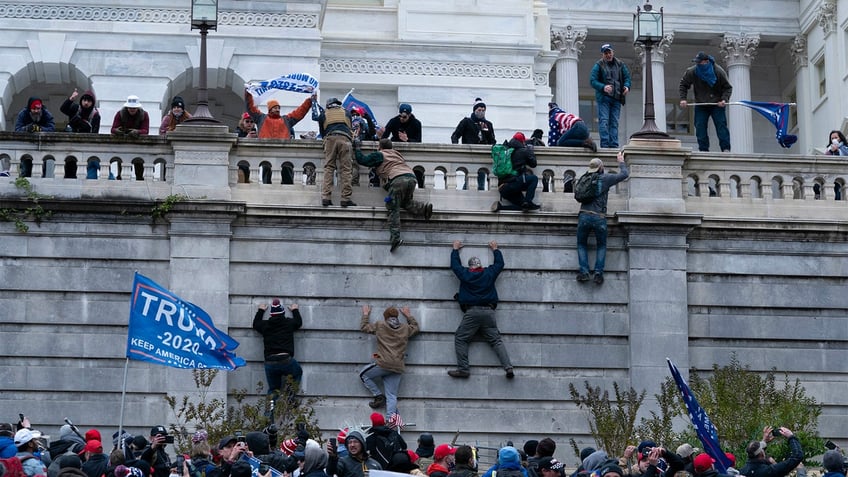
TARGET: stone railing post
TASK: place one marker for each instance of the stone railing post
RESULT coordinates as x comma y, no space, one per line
202,160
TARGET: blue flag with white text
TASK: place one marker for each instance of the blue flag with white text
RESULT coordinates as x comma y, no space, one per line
350,101
167,330
778,114
704,428
294,82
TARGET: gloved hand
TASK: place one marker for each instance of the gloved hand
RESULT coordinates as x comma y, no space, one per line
133,133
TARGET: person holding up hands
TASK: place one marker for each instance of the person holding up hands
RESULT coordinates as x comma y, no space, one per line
278,340
388,361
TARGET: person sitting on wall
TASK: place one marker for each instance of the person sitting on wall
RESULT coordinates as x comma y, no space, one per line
132,120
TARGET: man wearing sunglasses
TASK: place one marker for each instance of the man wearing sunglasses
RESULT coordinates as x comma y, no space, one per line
404,127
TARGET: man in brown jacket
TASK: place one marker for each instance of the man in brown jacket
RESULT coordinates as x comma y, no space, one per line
399,180
388,364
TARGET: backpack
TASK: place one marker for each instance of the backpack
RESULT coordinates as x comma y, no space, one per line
502,161
385,447
14,467
588,187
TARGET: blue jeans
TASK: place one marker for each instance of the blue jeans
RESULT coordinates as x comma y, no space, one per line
575,136
512,190
391,384
591,223
276,373
702,115
608,111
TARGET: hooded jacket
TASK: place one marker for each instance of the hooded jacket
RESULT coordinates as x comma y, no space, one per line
509,463
82,120
522,157
278,331
314,461
391,346
25,123
260,444
353,466
761,467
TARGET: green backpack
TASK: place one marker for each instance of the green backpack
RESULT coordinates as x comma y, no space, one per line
502,161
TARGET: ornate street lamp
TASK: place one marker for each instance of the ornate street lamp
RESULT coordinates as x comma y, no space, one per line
204,17
648,30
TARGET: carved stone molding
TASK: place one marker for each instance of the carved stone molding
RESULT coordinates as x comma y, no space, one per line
826,16
739,49
651,170
540,79
422,68
568,41
798,51
149,15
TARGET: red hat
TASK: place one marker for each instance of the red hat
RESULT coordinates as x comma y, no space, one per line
245,116
35,104
443,451
92,446
288,446
377,419
732,458
342,435
413,457
92,435
703,463
519,136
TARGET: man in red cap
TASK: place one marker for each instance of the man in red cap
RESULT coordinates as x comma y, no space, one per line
443,458
94,460
35,118
278,340
383,442
519,190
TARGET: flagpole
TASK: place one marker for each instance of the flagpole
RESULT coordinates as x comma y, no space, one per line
123,397
348,94
737,103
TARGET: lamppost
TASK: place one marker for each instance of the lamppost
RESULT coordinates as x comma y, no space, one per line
204,17
647,30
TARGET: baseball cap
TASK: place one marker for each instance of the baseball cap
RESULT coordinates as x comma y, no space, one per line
703,463
550,463
225,441
605,47
158,430
92,446
22,437
443,450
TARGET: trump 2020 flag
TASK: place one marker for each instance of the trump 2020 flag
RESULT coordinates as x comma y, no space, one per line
778,114
350,101
294,82
704,428
165,329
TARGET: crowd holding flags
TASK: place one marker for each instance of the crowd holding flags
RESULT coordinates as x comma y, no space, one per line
350,101
167,330
704,428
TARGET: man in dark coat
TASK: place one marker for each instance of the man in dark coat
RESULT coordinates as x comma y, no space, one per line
520,189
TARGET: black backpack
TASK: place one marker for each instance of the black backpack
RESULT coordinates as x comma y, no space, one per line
588,187
385,447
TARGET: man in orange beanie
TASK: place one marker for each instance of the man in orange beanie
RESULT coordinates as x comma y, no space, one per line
388,364
273,125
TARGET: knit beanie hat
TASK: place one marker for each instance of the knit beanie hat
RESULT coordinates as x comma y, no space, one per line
276,307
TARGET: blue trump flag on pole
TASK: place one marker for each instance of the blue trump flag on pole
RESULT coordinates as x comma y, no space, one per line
350,101
165,329
778,114
704,428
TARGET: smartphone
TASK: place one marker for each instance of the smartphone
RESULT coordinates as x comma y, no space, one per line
776,432
334,444
830,445
169,439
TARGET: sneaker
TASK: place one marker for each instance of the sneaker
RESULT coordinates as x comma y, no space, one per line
509,373
458,373
582,277
599,279
378,401
428,211
496,206
326,203
530,206
348,203
395,244
590,144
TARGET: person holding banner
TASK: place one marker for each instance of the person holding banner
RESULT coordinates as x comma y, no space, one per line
273,125
278,340
711,87
335,127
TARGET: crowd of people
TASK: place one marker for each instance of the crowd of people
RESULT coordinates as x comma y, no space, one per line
355,452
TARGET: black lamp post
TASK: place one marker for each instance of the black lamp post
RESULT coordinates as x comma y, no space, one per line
648,30
204,17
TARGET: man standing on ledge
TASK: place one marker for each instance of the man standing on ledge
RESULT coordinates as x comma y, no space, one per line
478,299
710,84
593,218
611,80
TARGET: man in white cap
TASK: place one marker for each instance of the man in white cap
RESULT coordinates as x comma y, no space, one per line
27,445
593,215
132,120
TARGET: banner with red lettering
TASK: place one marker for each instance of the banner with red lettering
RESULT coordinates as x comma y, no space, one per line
167,330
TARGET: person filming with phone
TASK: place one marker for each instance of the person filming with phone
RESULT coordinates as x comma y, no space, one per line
159,459
760,465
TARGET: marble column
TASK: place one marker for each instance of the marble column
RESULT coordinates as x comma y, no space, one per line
569,43
798,52
658,55
739,51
